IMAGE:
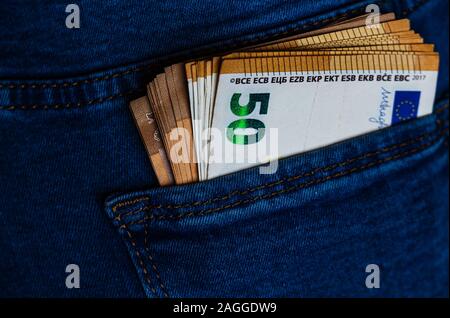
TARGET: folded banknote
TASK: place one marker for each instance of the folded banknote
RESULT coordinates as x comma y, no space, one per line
206,118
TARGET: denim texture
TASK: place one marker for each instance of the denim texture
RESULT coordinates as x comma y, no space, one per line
70,152
310,230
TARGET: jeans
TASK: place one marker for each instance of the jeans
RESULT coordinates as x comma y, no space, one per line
76,186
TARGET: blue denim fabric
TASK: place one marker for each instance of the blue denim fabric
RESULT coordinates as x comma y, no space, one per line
310,230
68,144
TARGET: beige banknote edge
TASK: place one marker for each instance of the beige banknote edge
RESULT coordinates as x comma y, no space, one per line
148,131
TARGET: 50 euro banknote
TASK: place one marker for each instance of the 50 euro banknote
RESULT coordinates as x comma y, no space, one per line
274,107
243,108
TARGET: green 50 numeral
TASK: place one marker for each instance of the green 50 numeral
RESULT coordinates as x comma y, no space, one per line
246,124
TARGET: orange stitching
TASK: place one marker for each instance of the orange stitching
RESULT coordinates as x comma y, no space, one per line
76,83
153,263
296,187
150,65
273,194
288,179
69,105
141,262
130,202
278,182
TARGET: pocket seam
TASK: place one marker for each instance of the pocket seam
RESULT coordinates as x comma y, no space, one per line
142,265
140,260
234,43
143,255
152,61
150,64
440,130
154,217
439,124
71,105
153,263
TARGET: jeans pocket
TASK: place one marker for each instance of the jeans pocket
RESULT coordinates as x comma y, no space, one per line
67,139
311,229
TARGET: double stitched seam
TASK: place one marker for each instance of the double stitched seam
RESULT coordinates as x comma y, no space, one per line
141,261
237,43
128,203
71,105
150,257
278,182
76,83
276,193
153,263
418,148
151,217
139,256
143,68
272,184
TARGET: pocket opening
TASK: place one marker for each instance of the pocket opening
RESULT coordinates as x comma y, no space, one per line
129,81
179,202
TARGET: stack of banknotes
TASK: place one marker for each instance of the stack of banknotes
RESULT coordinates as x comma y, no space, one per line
206,118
